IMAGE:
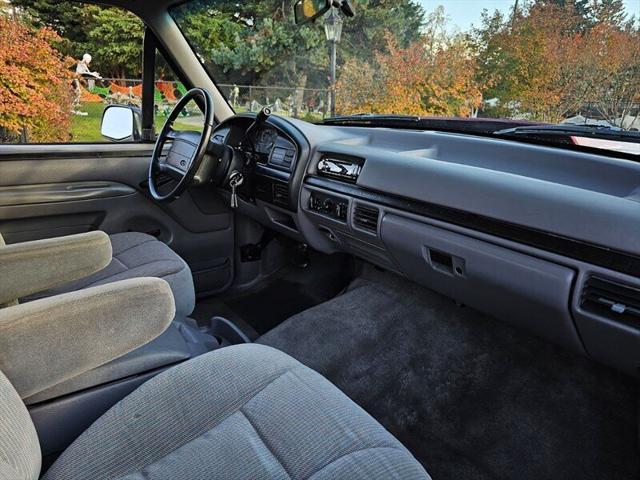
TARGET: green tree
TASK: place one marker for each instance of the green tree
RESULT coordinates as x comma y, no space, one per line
115,41
66,18
495,60
69,20
254,42
366,33
257,42
581,9
111,35
612,12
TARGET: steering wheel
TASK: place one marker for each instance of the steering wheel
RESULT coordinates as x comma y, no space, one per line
171,175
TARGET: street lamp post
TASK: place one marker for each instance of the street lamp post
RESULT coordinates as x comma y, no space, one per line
333,30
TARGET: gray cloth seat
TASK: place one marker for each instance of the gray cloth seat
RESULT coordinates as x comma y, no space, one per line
139,255
245,412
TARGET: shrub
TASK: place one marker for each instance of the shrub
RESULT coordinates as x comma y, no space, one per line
35,84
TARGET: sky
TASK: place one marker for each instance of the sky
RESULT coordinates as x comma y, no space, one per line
463,13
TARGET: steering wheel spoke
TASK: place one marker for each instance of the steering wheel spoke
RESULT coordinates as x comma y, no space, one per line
174,172
172,134
186,152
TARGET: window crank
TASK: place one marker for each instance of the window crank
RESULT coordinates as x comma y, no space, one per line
235,180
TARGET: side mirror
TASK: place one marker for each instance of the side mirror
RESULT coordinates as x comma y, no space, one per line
308,10
121,123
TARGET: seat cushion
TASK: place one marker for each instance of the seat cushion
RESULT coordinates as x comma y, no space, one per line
139,255
237,413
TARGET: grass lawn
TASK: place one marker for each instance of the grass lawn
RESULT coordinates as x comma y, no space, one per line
86,129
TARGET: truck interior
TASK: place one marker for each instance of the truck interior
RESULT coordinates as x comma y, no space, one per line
268,297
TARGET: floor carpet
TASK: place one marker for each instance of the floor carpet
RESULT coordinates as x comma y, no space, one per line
471,397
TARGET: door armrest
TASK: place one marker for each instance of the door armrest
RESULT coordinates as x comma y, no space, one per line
31,267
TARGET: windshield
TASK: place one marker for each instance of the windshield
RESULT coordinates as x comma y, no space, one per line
550,61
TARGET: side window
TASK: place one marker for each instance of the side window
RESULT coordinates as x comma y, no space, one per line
61,65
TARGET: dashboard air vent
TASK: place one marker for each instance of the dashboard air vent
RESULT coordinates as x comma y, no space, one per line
612,300
281,194
366,218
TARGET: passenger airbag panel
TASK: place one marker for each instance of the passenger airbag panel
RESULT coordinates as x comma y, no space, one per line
517,288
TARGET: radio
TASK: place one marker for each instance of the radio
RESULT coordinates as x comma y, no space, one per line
341,169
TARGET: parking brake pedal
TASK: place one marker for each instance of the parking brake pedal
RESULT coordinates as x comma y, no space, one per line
252,252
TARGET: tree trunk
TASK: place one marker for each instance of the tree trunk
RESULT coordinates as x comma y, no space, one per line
299,97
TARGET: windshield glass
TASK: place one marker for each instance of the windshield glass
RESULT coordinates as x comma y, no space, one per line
551,61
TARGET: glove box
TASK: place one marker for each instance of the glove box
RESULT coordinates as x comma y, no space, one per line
517,288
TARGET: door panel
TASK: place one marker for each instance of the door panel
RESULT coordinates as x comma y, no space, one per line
61,192
52,190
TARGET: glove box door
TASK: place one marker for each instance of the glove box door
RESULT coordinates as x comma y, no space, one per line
519,289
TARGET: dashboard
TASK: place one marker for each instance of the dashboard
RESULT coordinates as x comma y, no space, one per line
546,239
275,149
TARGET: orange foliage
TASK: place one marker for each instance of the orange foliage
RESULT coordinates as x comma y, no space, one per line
167,90
35,83
87,97
544,49
551,67
359,89
610,62
135,91
414,81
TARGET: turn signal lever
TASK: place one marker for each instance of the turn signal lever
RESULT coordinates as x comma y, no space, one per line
222,159
262,116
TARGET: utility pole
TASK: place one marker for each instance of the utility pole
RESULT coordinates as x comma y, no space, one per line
333,62
515,14
333,31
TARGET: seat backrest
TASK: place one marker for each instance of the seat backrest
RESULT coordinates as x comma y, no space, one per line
20,457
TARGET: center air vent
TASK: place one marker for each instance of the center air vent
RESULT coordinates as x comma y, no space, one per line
612,300
366,218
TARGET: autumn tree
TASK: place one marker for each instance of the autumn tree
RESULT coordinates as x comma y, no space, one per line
609,62
548,64
421,79
360,89
545,46
35,84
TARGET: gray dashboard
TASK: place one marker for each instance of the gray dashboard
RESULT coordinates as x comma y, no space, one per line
544,238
